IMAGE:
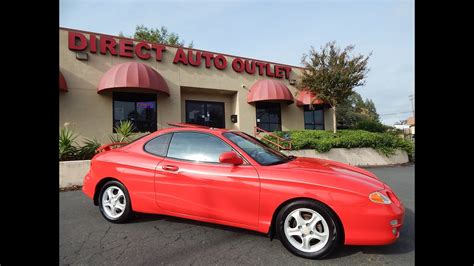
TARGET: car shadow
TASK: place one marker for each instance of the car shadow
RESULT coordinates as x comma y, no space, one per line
405,244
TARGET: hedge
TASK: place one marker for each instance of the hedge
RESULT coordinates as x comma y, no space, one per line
323,141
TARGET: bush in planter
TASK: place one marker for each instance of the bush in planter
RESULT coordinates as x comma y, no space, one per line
123,132
67,150
88,150
370,125
323,141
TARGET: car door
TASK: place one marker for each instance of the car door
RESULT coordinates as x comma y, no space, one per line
191,181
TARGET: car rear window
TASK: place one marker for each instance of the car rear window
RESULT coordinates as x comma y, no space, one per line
159,145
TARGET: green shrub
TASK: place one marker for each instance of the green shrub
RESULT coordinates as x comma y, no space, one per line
67,150
123,132
323,141
370,125
88,150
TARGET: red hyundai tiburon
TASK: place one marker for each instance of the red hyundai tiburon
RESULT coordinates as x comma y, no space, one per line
231,178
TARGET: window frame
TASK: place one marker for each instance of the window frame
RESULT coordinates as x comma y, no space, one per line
316,107
246,162
134,96
167,146
186,109
269,123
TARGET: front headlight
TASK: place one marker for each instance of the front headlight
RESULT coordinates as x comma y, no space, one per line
378,197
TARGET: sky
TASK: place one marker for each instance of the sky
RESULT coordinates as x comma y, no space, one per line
277,31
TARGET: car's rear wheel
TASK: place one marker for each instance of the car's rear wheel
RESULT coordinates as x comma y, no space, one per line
307,229
114,202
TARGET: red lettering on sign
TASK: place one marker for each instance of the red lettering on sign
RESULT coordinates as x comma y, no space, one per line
139,50
287,71
250,67
92,43
191,60
73,38
238,65
159,49
107,44
180,57
269,71
261,66
126,48
220,62
278,73
207,57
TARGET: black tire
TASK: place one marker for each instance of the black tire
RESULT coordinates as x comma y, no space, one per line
127,212
335,231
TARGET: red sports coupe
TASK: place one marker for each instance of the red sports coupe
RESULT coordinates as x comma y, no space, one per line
231,178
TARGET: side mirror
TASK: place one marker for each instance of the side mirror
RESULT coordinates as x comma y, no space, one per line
230,157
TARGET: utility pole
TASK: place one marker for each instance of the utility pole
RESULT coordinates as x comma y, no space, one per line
412,105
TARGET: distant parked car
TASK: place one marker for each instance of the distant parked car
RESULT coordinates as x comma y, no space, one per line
231,178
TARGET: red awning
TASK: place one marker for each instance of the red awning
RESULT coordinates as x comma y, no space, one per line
269,90
62,83
306,97
133,75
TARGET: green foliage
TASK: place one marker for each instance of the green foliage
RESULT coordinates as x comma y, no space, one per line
88,150
332,74
371,125
67,150
354,110
123,132
158,35
323,141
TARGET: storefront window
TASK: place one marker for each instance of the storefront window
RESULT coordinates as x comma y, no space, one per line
140,108
209,114
314,118
269,116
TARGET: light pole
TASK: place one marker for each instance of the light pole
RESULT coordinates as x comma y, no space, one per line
412,105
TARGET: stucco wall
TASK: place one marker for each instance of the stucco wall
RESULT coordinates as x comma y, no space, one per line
91,113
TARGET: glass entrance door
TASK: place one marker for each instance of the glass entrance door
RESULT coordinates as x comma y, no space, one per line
209,114
314,118
268,116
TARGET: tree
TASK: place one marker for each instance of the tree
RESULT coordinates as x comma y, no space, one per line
156,35
332,74
354,110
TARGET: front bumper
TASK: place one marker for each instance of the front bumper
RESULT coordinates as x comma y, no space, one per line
373,224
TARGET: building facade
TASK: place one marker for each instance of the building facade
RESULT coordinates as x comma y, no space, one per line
107,79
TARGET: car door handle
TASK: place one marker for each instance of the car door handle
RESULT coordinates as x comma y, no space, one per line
172,168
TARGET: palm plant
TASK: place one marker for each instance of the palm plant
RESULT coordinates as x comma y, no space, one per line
88,150
123,132
67,150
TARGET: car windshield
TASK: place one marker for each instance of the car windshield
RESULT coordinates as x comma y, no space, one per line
256,149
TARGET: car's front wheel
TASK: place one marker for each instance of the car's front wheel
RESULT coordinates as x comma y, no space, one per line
307,229
114,202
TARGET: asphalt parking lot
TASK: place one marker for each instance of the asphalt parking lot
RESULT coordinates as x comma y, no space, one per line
87,238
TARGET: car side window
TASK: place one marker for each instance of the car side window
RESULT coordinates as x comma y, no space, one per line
159,145
197,147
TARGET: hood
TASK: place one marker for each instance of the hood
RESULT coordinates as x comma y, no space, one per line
337,170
